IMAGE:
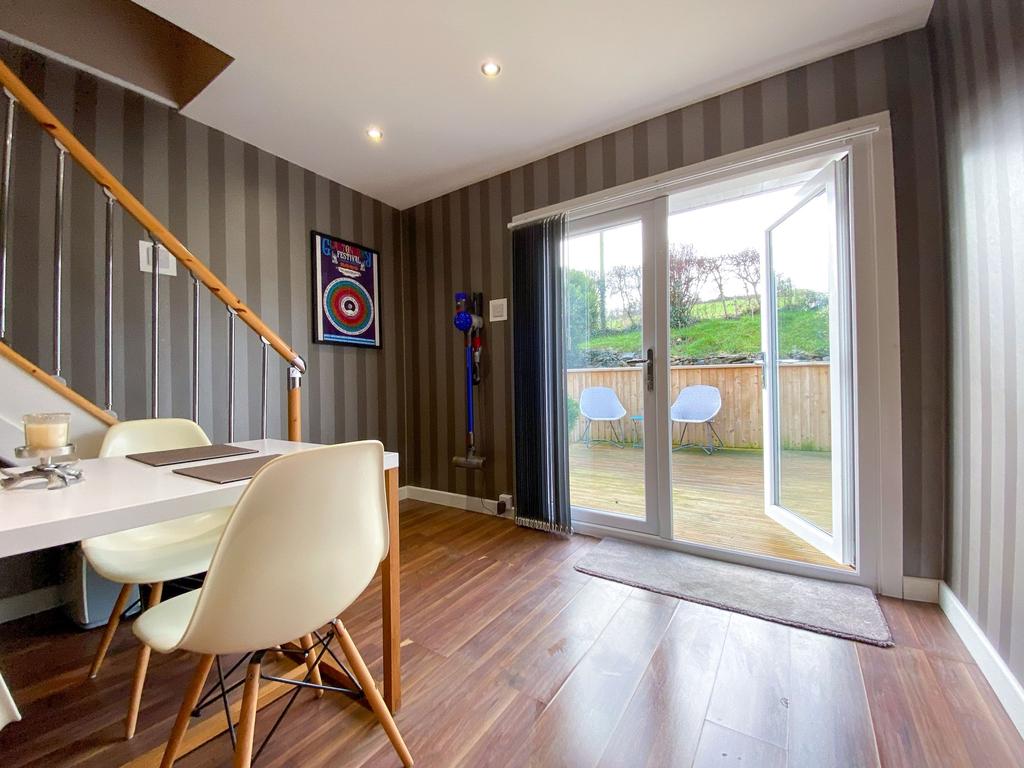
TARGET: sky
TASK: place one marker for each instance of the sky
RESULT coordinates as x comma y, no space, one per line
722,228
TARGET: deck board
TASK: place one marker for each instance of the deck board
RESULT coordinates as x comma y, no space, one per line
716,500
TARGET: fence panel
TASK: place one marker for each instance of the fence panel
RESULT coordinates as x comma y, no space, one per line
804,399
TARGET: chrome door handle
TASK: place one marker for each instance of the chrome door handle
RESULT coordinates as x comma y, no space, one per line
650,370
760,360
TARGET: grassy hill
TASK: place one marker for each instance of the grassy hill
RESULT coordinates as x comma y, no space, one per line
803,333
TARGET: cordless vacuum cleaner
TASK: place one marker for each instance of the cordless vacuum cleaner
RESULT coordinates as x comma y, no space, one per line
468,319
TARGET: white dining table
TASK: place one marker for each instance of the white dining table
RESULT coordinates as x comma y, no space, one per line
118,494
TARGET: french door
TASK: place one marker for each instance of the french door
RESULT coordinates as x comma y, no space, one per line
717,453
806,253
610,290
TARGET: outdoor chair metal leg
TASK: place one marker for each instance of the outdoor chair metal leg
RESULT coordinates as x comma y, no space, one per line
586,433
721,443
620,439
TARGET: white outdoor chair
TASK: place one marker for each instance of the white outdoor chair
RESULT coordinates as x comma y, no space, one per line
303,542
698,404
154,553
602,404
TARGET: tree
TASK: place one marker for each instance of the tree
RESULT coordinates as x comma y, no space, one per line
717,272
626,282
746,267
687,273
581,311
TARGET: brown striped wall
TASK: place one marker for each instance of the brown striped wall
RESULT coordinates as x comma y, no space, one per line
459,242
978,49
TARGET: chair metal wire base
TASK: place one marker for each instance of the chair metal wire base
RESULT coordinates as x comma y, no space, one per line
220,689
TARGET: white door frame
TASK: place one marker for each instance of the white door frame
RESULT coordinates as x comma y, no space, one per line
878,468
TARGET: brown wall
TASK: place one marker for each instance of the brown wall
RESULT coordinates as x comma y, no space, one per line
459,242
978,49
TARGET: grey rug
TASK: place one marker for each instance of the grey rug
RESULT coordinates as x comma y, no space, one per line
841,610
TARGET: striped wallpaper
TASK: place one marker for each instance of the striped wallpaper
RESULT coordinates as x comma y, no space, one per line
243,211
979,54
459,242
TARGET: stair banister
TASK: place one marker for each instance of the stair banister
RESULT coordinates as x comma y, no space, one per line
67,144
5,201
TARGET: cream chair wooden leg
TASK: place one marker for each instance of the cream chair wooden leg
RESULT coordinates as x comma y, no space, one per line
365,679
141,666
247,716
192,694
307,642
111,628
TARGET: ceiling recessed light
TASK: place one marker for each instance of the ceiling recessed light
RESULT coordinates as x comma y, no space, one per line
490,69
375,134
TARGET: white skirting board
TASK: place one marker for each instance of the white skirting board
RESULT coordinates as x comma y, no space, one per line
1007,688
457,500
36,601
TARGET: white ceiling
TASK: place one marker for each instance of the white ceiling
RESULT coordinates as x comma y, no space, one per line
309,76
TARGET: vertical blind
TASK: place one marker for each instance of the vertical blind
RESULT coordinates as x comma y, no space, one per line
542,484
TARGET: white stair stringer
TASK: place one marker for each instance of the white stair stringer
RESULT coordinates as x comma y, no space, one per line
22,393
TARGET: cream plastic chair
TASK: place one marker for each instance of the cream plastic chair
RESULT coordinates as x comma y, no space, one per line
154,553
303,581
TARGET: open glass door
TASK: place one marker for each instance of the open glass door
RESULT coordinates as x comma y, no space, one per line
808,484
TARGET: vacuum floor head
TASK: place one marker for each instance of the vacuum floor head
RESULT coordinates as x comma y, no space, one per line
468,462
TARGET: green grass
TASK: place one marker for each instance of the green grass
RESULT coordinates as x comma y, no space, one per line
800,331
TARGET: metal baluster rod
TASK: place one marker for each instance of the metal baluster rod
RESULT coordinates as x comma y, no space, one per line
195,349
58,257
5,204
231,374
108,308
263,389
155,330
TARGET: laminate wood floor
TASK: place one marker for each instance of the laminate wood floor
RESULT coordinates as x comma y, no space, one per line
512,658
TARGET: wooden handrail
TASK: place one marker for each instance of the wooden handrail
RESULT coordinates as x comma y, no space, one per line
49,122
57,386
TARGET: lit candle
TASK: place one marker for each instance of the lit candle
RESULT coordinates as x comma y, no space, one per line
44,431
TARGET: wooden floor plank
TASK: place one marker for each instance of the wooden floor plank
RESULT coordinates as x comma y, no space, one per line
723,748
526,653
600,686
829,721
663,722
753,685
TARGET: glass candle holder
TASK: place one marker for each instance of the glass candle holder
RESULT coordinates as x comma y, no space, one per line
46,430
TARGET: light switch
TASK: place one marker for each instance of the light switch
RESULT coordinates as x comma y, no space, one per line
499,310
168,264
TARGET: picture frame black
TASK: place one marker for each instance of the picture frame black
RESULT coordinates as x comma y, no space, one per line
345,282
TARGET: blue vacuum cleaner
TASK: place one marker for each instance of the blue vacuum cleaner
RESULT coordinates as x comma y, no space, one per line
469,321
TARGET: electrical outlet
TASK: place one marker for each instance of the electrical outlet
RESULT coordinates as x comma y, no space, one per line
168,264
506,500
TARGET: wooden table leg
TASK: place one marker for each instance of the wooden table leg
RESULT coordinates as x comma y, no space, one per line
391,608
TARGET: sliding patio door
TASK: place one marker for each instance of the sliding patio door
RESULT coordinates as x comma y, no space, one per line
808,480
610,274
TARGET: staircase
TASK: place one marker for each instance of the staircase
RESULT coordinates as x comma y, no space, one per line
29,386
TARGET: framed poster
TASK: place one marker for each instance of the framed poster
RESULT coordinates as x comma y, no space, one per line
346,287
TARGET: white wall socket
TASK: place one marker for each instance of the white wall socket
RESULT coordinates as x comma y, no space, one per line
168,264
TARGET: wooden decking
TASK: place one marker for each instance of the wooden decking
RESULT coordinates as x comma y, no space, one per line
513,659
716,500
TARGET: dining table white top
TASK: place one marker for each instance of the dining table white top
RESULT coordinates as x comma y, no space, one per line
117,494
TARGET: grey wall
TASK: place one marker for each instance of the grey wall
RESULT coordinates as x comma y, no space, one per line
247,214
979,65
459,241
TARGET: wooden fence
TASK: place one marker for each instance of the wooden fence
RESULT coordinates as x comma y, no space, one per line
804,400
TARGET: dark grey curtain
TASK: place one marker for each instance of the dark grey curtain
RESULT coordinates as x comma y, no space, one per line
542,478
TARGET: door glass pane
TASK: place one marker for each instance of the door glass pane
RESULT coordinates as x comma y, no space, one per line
604,369
802,258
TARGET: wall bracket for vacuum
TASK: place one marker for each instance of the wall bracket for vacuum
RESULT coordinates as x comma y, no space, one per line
469,320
